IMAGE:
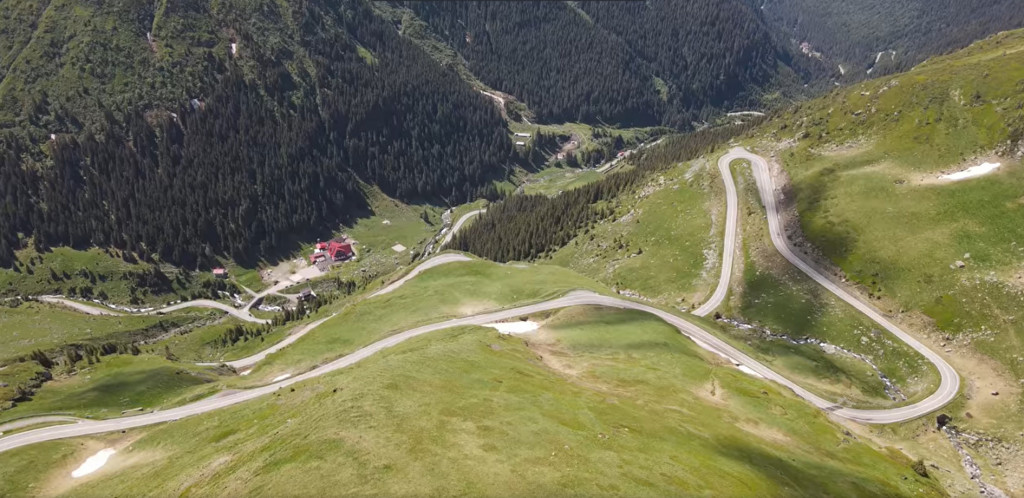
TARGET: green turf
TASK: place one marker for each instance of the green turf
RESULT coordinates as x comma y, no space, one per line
601,402
555,180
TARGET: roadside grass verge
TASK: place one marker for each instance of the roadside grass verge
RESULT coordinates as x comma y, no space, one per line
203,344
599,402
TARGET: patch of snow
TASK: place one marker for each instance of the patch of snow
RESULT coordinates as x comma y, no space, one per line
842,70
518,327
93,463
972,172
281,377
747,370
234,49
398,248
386,222
247,372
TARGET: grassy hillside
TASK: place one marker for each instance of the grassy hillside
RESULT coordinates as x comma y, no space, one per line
777,298
598,402
864,166
661,241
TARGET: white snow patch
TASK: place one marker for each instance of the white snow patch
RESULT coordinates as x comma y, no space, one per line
842,70
281,377
972,172
247,372
93,463
234,49
747,370
520,327
398,248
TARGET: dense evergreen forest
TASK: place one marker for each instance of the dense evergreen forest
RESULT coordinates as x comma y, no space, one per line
627,63
707,55
255,159
526,227
863,34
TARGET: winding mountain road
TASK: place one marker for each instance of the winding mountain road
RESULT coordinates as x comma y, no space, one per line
732,216
946,392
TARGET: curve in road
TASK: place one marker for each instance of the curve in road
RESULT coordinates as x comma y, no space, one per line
426,265
731,231
458,224
949,384
949,381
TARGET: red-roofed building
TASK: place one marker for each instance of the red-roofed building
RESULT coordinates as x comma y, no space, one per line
335,250
339,250
220,273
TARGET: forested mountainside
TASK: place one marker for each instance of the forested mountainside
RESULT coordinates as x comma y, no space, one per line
885,36
200,128
627,63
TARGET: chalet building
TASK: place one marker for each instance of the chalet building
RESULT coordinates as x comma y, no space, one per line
334,250
220,273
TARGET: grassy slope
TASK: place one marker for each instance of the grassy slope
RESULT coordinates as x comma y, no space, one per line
43,326
771,293
448,291
658,243
865,190
117,383
619,404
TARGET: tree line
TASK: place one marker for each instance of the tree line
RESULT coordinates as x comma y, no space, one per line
527,227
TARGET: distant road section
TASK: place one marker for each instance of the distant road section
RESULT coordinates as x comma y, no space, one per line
426,265
458,225
79,306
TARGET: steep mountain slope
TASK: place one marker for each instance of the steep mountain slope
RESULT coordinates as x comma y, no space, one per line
884,36
634,63
197,128
867,168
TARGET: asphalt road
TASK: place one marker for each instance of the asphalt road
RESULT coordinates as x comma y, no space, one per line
458,224
732,216
946,392
426,265
949,383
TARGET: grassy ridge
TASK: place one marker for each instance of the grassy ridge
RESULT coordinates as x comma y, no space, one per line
600,402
